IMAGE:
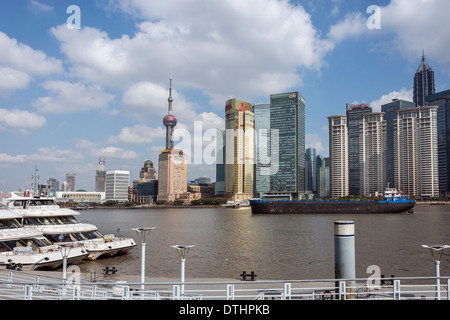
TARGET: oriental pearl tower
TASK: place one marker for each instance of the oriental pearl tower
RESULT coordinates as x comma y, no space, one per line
170,121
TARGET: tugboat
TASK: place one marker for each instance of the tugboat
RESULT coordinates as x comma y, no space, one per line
393,202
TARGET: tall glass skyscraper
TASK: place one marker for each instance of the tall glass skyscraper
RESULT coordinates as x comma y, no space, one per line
262,148
287,116
390,115
354,119
310,170
442,101
423,83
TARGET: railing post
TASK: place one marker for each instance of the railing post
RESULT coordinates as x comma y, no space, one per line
396,288
125,293
287,292
76,293
342,290
10,278
230,291
176,292
28,294
448,289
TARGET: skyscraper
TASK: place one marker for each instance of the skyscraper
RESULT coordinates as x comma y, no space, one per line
100,176
338,140
116,185
70,178
416,152
240,152
372,154
219,187
423,83
354,118
172,165
310,170
442,101
390,115
287,118
262,148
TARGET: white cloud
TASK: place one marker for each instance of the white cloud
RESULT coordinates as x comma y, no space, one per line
37,6
218,47
352,26
11,79
92,149
21,120
403,94
43,155
138,134
312,140
66,97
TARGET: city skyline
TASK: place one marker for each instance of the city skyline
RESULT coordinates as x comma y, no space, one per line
68,97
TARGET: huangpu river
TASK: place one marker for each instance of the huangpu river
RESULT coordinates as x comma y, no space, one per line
276,247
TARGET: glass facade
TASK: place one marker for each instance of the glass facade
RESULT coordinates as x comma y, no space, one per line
262,148
354,118
423,83
310,170
287,116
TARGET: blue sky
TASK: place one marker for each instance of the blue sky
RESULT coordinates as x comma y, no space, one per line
69,96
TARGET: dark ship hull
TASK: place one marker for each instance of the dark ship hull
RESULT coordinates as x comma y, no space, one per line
331,207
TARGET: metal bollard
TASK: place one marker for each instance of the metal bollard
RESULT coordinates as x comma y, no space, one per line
344,253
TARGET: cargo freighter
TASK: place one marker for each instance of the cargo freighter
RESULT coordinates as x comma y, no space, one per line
393,202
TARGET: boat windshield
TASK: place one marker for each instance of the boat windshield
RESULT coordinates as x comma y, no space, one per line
11,244
9,224
41,202
41,242
78,236
49,220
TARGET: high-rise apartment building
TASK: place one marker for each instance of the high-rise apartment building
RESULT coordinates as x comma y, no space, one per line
262,149
70,179
287,118
416,152
219,187
423,83
116,185
372,154
100,176
240,150
338,146
442,101
390,115
354,118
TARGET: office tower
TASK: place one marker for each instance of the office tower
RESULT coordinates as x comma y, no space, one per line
172,165
219,187
116,185
310,170
323,177
372,154
390,115
442,101
262,149
354,117
240,144
100,176
423,83
54,185
415,152
287,125
147,172
70,178
338,145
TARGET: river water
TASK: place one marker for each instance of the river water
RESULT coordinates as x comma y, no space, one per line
275,247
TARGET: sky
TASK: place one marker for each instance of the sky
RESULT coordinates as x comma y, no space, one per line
77,85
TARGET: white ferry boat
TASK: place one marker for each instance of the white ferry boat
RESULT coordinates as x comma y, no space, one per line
59,225
28,249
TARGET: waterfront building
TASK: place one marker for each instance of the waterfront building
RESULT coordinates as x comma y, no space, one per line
338,146
262,149
442,101
172,164
240,142
354,118
287,125
70,179
311,170
390,115
220,163
116,185
145,191
423,83
69,196
416,152
100,175
372,154
148,172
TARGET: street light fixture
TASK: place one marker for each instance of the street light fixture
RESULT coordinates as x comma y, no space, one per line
65,251
182,252
436,251
142,233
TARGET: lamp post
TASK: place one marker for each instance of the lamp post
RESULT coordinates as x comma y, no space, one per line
142,233
65,251
182,251
436,252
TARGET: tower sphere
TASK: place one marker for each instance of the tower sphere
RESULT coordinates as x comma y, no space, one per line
170,120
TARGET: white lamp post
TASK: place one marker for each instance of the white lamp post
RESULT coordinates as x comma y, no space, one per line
436,252
182,251
65,251
142,233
